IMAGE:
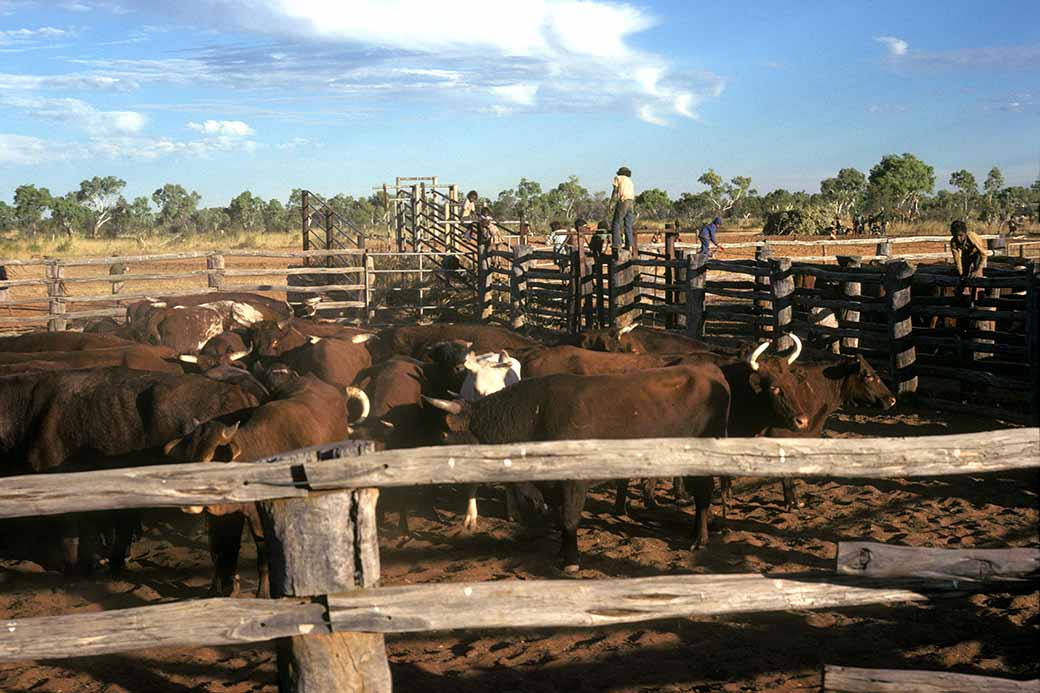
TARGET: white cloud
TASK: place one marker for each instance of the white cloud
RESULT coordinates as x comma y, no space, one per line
570,53
79,114
225,128
15,82
19,149
647,115
522,94
897,47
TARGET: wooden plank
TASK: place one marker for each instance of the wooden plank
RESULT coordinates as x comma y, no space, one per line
853,680
589,603
424,608
898,278
213,484
198,623
870,559
980,377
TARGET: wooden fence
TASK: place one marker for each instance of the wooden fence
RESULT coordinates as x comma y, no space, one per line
321,502
366,285
928,332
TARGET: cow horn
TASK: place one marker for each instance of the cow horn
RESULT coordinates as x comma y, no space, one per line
753,359
313,340
450,407
188,358
797,349
361,338
386,424
454,395
626,329
359,394
239,355
229,431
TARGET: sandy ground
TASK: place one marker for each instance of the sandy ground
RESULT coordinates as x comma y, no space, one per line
993,633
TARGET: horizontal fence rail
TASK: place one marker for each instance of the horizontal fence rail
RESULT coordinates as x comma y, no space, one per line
432,608
297,474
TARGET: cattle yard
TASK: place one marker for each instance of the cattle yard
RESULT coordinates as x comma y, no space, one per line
844,581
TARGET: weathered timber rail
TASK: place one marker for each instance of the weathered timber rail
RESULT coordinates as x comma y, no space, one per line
319,501
856,680
336,467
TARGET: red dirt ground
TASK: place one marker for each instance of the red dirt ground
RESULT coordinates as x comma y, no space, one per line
989,634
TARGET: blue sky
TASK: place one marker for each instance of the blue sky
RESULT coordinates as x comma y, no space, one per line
337,96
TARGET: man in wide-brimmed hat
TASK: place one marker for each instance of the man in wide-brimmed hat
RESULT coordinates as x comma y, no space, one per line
624,194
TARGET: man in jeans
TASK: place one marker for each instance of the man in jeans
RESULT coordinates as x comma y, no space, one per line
707,236
625,195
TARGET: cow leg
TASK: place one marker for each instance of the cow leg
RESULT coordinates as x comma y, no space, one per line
649,489
225,542
256,530
679,489
79,543
725,493
69,545
621,497
702,488
790,495
127,524
572,503
470,521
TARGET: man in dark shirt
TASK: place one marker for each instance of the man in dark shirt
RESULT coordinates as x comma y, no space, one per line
707,236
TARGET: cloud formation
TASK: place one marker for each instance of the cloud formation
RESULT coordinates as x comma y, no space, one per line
227,128
538,54
78,114
897,47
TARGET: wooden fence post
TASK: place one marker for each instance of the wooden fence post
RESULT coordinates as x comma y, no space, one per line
330,237
369,276
763,254
623,279
781,288
681,268
853,291
670,235
484,279
518,286
884,248
902,353
318,545
612,307
696,274
55,273
215,279
414,207
305,209
1033,335
451,212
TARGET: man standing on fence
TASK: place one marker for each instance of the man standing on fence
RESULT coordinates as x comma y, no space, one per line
624,194
969,255
707,236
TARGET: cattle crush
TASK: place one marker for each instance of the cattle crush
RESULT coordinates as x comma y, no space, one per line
882,306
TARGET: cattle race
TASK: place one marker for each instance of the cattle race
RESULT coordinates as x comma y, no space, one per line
757,410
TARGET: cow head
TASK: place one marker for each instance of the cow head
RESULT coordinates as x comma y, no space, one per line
209,442
273,338
610,340
862,385
489,373
772,378
275,376
445,365
452,420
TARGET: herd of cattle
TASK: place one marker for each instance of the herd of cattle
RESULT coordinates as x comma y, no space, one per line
239,377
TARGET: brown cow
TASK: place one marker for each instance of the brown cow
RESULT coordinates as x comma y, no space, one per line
304,411
638,340
60,341
678,401
136,356
335,361
273,338
80,420
834,384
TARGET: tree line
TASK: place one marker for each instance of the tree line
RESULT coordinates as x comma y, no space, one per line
899,187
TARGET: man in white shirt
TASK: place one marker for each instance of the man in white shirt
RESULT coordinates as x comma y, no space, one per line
624,194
